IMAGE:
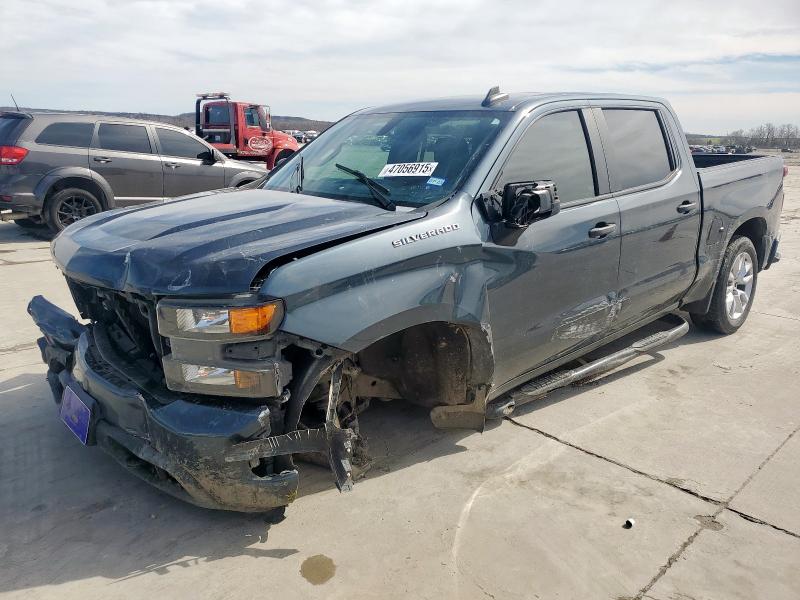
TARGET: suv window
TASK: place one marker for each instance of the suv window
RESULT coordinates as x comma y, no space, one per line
125,138
638,149
175,143
554,147
78,135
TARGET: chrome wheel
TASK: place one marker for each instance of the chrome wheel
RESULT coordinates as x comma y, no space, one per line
74,208
740,286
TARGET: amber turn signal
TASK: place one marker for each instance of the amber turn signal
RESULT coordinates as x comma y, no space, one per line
252,320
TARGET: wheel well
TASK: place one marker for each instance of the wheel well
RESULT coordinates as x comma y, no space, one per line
80,183
431,364
285,153
755,229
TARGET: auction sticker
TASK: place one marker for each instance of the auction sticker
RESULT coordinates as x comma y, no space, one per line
420,169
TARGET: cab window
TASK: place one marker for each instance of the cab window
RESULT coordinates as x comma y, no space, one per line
555,147
638,148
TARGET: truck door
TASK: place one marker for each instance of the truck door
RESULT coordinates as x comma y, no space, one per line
187,168
255,131
554,289
659,202
124,156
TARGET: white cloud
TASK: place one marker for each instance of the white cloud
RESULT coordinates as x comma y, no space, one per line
324,59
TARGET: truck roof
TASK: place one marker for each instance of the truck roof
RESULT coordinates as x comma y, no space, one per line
515,101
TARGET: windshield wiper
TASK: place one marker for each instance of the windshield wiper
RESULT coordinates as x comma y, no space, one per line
376,189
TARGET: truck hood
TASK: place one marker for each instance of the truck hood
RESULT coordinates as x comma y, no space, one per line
210,244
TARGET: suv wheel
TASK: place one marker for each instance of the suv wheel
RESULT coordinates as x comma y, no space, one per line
70,205
734,290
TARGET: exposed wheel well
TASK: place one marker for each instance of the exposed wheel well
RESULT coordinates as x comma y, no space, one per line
431,364
755,229
80,183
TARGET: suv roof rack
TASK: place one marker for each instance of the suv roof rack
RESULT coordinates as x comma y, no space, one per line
494,95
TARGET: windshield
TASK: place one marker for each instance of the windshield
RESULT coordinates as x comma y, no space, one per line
417,157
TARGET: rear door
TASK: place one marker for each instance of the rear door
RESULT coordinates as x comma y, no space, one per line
554,289
659,204
124,155
186,166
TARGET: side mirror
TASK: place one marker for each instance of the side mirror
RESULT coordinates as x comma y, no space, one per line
526,202
209,157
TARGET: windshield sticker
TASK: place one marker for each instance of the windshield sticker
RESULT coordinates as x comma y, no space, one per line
436,181
420,169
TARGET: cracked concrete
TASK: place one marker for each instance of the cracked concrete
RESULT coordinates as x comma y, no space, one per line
698,445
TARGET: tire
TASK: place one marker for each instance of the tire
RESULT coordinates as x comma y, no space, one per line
29,223
68,206
734,290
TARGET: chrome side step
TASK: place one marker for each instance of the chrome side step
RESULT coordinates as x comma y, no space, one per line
541,386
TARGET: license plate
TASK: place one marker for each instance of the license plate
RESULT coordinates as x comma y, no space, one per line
75,414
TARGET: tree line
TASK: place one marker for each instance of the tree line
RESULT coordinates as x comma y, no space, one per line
767,135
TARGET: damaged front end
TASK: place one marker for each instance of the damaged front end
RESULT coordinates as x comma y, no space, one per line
205,416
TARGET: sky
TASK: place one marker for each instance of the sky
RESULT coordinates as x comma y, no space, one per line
723,64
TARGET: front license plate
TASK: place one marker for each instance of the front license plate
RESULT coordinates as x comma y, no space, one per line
75,414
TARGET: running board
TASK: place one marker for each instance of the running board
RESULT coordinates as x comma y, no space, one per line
540,387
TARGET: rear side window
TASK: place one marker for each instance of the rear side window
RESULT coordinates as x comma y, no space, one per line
174,143
78,135
554,147
124,138
639,153
10,128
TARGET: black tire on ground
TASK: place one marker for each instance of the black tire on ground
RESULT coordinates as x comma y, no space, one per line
29,223
735,288
68,206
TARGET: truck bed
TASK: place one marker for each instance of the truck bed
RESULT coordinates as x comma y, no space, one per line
759,174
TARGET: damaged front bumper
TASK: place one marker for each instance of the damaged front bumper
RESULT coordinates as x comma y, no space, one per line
214,455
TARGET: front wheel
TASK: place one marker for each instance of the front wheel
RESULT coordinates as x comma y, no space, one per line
734,290
70,205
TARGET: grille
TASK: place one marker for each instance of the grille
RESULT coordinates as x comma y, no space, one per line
128,319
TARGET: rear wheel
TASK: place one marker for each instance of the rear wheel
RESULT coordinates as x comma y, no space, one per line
734,290
70,205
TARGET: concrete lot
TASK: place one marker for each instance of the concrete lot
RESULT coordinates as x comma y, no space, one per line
698,444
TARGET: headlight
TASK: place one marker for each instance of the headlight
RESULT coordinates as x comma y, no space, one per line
184,319
250,381
201,331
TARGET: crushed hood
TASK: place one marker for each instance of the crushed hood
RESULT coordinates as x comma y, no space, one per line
208,244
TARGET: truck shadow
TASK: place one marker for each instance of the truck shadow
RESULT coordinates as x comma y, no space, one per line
75,510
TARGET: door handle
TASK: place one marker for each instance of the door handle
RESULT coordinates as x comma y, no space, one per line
601,230
171,165
686,206
102,159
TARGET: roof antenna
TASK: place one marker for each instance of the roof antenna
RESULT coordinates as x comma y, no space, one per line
15,102
494,95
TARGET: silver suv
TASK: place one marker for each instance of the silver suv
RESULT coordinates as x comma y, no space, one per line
56,168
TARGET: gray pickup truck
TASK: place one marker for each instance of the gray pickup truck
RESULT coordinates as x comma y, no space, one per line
458,254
